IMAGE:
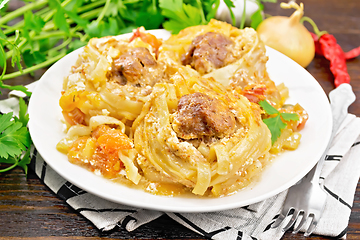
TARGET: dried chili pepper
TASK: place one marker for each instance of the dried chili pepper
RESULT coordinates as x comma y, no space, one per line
317,44
327,46
352,53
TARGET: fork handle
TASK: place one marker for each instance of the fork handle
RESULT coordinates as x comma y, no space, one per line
340,99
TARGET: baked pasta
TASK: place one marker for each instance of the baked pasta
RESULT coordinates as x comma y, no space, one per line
234,57
177,116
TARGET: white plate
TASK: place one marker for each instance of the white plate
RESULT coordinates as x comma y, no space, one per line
46,131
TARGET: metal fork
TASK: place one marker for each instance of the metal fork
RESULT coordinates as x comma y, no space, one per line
307,197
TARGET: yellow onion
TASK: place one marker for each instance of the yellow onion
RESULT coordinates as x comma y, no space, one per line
288,35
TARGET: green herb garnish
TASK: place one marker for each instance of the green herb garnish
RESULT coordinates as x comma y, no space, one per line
276,120
180,15
15,139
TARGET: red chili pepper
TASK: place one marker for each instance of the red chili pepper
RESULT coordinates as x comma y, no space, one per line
352,53
348,55
327,46
318,49
334,53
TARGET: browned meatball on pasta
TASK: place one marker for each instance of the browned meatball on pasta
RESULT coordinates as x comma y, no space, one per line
209,51
136,67
200,115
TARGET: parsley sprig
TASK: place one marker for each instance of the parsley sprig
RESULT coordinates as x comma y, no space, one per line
180,14
15,139
275,120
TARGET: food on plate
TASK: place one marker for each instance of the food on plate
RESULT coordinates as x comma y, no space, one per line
151,114
205,140
113,75
234,57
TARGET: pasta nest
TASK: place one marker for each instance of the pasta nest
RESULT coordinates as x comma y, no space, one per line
116,74
219,164
243,61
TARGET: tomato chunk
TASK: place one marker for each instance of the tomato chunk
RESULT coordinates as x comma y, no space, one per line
148,38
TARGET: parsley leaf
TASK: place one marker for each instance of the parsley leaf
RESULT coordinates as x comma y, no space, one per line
33,57
268,108
15,139
180,15
149,16
275,120
231,5
25,160
17,87
3,3
12,45
2,57
33,22
59,16
210,8
275,125
5,121
289,116
256,19
76,18
60,20
23,116
95,28
110,28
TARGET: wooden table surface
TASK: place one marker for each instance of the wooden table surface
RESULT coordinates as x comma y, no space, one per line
30,210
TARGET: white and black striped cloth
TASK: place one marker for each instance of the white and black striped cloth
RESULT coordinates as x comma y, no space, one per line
340,175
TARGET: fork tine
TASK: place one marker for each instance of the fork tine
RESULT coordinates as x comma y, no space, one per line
302,222
292,220
312,226
280,219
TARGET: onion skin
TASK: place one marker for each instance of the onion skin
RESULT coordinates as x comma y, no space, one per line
288,36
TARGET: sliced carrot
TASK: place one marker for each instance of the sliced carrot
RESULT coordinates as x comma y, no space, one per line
114,140
75,116
71,99
100,130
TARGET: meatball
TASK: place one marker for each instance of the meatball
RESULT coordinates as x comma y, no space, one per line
199,115
136,67
209,51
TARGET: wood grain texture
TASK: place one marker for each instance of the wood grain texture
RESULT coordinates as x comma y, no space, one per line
30,210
